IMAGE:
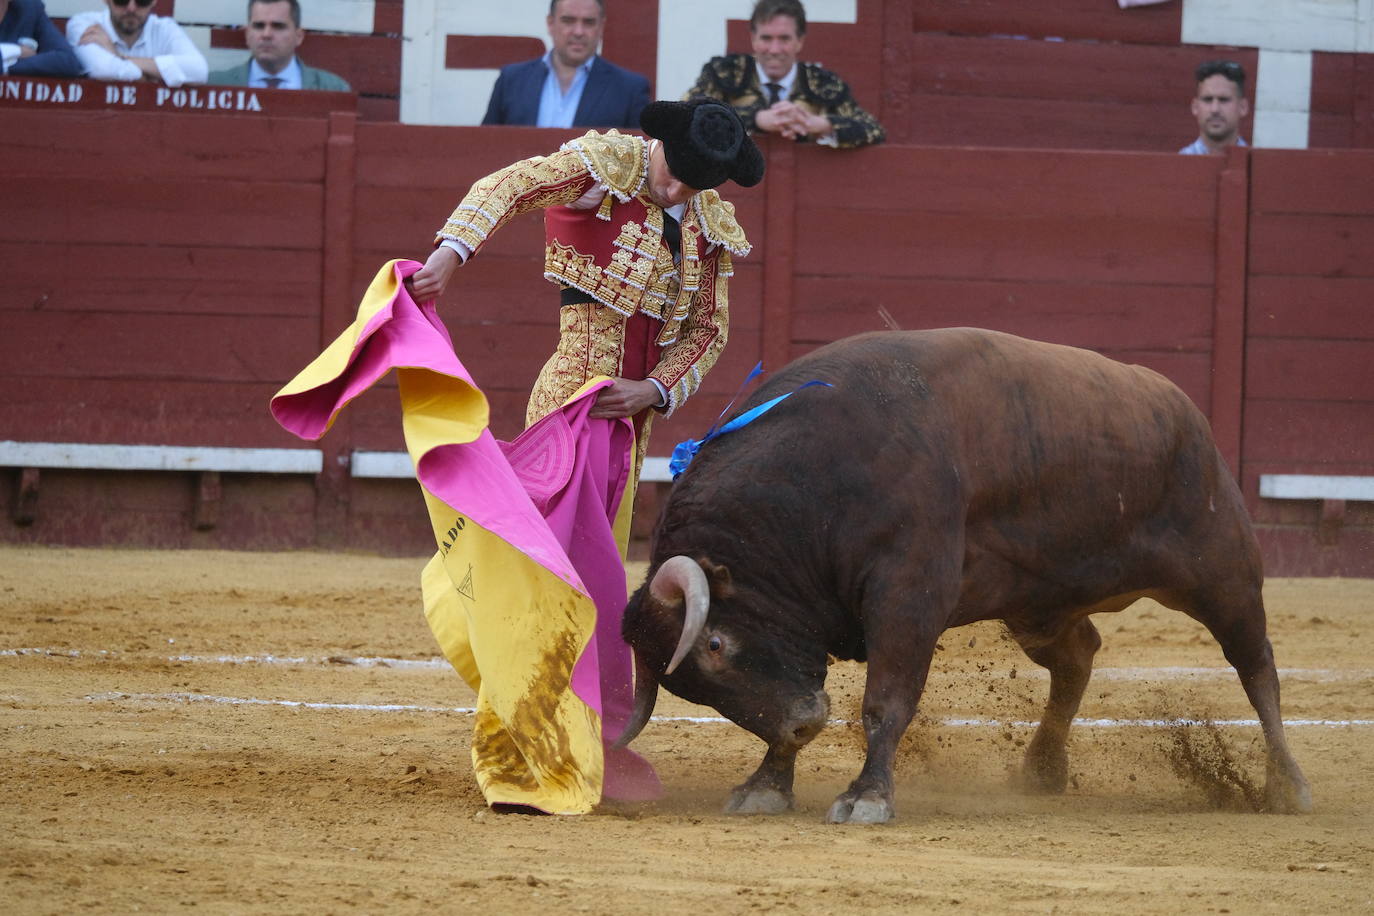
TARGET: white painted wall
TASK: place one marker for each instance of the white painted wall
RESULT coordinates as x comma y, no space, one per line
1281,25
1282,99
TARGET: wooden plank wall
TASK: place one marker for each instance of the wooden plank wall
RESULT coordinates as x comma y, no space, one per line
148,255
1114,252
161,296
1080,74
162,272
1309,371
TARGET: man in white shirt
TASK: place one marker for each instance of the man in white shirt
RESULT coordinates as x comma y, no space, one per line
125,41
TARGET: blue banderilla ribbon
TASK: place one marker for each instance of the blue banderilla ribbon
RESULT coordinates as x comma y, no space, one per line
684,452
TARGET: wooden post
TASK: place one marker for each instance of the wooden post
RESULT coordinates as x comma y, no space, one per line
26,497
209,494
779,252
1228,306
337,308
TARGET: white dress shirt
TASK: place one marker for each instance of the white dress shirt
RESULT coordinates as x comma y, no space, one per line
290,75
786,82
178,59
556,107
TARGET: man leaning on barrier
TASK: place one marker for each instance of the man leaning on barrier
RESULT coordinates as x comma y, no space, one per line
126,41
774,92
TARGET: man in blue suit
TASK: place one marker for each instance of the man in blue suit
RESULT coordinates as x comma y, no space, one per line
30,45
571,85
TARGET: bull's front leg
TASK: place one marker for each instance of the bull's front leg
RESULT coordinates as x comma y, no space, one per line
769,789
896,677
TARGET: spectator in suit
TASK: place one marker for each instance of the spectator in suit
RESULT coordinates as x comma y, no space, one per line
30,45
125,41
571,85
1219,105
774,92
274,34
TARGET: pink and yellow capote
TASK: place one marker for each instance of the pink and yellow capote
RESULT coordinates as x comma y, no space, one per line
527,587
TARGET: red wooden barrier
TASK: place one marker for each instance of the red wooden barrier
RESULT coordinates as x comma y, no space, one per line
1309,369
162,295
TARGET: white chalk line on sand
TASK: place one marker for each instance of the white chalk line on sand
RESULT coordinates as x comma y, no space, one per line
1118,674
438,663
974,722
297,660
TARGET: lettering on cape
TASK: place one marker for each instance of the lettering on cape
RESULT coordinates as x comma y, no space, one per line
451,535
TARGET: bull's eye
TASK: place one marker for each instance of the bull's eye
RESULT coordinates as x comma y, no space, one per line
714,644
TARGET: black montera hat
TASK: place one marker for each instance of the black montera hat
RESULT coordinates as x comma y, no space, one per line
704,142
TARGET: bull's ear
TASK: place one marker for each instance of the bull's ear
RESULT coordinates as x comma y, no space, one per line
722,586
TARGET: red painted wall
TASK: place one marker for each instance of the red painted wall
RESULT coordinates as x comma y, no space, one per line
161,296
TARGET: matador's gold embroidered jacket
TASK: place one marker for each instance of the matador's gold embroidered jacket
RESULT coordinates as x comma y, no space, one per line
734,79
614,251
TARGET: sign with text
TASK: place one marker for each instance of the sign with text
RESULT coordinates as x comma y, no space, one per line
36,92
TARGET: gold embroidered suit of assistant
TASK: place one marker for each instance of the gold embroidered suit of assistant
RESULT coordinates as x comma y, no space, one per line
734,79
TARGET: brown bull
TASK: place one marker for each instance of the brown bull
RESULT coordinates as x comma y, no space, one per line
948,477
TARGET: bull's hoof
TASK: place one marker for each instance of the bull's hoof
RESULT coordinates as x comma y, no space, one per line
1044,773
1037,780
1285,797
863,809
747,800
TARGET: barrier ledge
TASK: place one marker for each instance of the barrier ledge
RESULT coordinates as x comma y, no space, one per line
397,465
1316,486
106,457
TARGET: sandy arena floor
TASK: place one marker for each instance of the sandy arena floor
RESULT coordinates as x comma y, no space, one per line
273,732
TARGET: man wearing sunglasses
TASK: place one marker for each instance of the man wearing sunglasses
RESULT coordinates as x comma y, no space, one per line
126,42
273,35
30,45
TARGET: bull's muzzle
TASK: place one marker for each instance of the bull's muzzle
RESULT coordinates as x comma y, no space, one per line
805,719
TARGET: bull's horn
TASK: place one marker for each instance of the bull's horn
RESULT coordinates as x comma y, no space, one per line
682,579
646,695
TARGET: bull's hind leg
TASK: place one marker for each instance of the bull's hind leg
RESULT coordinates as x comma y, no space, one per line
1235,617
1069,659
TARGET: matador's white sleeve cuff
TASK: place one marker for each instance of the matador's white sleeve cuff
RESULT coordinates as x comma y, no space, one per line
463,251
662,393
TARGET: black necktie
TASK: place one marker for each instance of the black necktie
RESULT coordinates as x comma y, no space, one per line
672,235
273,81
774,93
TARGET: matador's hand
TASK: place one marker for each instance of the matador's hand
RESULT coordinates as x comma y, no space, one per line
429,281
625,398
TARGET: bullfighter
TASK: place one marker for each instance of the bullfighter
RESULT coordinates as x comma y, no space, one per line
638,242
